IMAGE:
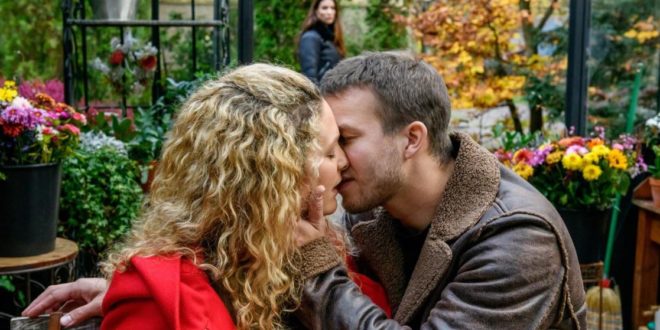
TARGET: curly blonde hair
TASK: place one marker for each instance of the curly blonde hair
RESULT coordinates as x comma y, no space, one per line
228,187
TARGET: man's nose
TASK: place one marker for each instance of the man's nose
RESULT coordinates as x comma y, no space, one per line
342,162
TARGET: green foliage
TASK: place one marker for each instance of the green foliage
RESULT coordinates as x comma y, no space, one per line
176,49
513,140
31,42
655,168
100,197
383,33
7,284
145,133
277,25
543,92
153,123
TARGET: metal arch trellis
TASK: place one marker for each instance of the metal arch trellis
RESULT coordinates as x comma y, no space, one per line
76,61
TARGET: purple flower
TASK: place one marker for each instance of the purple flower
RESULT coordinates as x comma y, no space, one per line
627,141
17,115
640,164
54,88
618,146
571,131
600,130
540,154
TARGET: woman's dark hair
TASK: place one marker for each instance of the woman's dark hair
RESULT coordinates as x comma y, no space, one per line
311,20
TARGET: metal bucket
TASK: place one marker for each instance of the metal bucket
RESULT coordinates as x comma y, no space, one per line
114,9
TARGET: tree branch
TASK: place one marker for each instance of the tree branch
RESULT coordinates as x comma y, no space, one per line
546,16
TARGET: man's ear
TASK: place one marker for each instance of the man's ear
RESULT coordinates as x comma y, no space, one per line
416,136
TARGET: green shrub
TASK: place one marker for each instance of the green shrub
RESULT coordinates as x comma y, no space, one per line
100,197
277,24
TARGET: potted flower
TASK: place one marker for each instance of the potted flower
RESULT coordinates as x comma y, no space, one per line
580,176
35,136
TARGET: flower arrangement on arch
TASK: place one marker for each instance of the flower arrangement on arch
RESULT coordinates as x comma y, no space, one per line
131,60
38,130
578,172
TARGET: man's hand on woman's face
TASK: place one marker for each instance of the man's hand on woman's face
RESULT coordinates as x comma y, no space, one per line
314,225
81,300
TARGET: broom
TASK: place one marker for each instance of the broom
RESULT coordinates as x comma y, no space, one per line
601,298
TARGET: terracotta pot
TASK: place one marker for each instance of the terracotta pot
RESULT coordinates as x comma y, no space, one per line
655,191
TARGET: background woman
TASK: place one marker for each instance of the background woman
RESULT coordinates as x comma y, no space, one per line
321,43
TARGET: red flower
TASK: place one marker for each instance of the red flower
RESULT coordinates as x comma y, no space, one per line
12,130
148,63
116,57
523,156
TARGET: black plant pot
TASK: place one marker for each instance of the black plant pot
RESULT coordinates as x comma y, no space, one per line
588,229
29,205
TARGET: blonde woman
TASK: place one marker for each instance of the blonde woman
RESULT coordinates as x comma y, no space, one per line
216,245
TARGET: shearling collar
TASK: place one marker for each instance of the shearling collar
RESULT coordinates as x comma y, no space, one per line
470,191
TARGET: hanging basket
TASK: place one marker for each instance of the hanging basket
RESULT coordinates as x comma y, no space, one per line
29,205
114,9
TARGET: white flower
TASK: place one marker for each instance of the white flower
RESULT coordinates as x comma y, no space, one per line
92,141
138,88
654,121
21,102
99,65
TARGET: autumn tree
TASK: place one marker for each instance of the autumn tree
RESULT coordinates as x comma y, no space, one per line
486,49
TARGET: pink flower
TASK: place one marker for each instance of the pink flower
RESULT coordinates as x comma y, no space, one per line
569,141
80,118
617,146
580,150
48,130
70,128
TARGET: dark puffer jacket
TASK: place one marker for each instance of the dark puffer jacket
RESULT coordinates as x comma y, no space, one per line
497,256
317,52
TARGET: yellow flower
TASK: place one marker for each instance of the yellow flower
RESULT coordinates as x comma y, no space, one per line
591,158
524,170
7,95
572,161
617,159
600,150
553,157
8,91
591,172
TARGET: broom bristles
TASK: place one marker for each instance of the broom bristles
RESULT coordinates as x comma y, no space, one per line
611,301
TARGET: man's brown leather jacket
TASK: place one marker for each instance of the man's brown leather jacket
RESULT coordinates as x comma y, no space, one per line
497,256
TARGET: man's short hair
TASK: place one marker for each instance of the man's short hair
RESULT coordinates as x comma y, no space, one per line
407,89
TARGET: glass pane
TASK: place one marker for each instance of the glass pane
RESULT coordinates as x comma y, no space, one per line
624,38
